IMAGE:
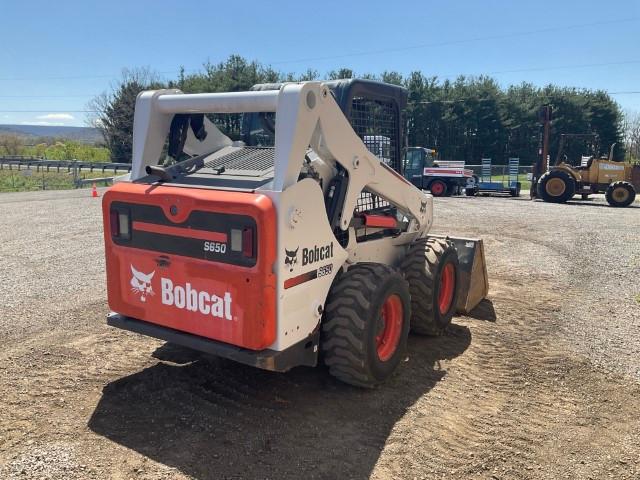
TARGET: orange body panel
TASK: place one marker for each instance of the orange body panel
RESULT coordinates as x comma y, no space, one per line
231,303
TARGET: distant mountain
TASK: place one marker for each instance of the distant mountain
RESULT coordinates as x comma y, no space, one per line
79,134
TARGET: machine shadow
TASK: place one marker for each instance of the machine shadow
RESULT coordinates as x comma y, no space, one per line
213,418
587,203
484,311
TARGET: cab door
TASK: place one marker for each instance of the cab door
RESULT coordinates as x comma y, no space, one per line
414,166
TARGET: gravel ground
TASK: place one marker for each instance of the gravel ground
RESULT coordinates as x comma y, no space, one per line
541,381
591,251
52,256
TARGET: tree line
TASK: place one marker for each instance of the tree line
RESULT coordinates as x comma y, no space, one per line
468,118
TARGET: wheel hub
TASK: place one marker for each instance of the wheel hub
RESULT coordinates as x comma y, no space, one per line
555,187
620,195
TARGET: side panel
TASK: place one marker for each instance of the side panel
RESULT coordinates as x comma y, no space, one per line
609,172
309,257
635,176
166,274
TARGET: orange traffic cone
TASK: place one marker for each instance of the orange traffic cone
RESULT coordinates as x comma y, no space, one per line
94,191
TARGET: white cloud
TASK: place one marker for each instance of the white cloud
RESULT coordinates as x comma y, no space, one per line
46,124
59,117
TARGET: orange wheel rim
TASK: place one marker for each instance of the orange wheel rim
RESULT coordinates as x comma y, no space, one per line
447,287
388,338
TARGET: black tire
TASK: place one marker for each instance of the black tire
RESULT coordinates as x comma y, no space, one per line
470,192
423,267
552,178
515,191
438,188
352,323
620,194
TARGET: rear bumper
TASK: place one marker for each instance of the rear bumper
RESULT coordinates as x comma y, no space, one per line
304,353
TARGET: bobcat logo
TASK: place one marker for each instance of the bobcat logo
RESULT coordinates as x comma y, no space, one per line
141,283
292,258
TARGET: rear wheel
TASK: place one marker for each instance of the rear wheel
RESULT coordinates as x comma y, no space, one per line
365,324
620,194
438,188
431,268
556,186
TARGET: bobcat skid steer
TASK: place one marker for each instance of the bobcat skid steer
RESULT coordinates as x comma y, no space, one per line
293,245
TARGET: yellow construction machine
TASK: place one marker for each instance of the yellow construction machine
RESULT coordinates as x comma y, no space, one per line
619,181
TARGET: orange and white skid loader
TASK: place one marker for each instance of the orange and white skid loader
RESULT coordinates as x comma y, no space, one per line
291,245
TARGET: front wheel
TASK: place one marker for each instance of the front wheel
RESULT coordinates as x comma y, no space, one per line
366,324
438,188
556,186
431,269
620,194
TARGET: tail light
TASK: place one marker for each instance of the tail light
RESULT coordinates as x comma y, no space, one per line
120,224
242,241
247,242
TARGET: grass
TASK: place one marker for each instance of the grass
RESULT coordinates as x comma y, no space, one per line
20,181
522,178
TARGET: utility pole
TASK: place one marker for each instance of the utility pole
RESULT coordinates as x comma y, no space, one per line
540,167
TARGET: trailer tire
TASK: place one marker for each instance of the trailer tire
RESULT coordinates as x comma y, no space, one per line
470,191
556,186
620,194
432,271
438,188
366,324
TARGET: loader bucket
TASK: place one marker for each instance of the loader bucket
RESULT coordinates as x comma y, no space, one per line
473,283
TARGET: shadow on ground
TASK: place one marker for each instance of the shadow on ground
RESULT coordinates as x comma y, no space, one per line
484,311
590,203
213,418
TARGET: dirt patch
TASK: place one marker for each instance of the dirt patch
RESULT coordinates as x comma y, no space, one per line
508,392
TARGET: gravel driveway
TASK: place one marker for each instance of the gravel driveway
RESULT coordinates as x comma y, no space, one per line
541,381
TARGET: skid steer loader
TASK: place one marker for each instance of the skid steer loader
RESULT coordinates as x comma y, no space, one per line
292,245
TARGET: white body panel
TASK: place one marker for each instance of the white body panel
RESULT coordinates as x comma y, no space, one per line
447,172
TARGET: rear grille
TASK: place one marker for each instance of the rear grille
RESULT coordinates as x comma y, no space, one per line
248,159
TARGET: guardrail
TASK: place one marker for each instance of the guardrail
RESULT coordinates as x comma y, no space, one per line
69,165
82,182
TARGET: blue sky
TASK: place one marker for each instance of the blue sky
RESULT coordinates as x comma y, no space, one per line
56,56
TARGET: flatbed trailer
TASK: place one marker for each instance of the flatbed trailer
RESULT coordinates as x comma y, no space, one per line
486,184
